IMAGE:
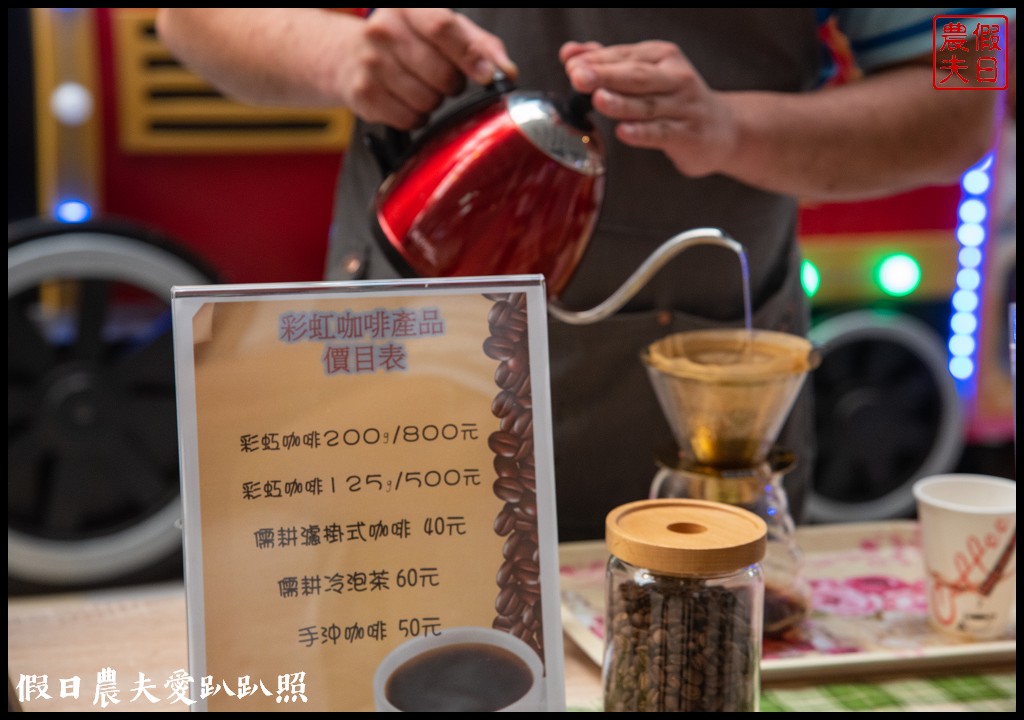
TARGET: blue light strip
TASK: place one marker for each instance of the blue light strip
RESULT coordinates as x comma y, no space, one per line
72,211
971,233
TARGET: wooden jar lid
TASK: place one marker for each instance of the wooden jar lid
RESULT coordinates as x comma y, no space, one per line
685,537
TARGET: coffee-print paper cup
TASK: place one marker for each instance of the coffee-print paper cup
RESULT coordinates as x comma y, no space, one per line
969,542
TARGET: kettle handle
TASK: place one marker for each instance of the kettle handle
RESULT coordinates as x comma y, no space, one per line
388,150
658,259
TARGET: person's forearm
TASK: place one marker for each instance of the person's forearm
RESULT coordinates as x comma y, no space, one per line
884,134
888,132
395,66
266,56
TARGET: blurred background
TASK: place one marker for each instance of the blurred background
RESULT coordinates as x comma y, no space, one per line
128,175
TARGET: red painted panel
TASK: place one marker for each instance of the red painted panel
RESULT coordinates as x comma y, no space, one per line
254,217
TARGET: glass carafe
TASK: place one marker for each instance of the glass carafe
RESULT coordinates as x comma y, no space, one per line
759,490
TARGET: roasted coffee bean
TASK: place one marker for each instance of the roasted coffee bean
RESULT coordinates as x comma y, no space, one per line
527,504
503,443
522,424
527,572
499,348
517,358
505,522
519,546
526,526
503,376
525,449
508,489
528,477
504,314
504,404
509,332
530,593
517,319
510,550
506,574
499,314
522,632
508,423
506,466
522,515
517,381
679,644
523,390
508,602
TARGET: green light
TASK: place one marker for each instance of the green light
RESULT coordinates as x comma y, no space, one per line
810,278
898,275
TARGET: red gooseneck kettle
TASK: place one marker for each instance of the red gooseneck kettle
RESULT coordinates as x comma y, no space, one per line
510,183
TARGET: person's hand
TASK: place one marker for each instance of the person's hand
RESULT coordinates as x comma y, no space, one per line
403,62
658,99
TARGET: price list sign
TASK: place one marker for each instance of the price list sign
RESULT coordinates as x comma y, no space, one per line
368,491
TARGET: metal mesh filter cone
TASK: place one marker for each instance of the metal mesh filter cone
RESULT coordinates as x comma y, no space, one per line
726,393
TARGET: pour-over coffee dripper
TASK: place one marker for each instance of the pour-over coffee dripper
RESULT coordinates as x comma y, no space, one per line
726,394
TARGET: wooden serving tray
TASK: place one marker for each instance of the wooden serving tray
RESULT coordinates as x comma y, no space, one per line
869,611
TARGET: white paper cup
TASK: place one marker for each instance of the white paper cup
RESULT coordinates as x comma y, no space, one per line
969,541
490,659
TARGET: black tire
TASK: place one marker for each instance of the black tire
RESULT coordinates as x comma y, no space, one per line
887,413
92,451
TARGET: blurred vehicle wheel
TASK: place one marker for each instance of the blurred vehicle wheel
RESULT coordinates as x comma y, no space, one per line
92,450
887,413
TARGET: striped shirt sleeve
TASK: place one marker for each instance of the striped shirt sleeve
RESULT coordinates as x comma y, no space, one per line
884,36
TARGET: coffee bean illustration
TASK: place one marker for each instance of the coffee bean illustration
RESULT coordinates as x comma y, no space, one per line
518,601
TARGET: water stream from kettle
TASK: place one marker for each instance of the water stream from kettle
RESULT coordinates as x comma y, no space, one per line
748,315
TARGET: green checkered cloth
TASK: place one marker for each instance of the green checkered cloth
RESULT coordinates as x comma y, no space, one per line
995,692
962,693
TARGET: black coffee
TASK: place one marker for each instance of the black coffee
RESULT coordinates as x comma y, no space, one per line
468,677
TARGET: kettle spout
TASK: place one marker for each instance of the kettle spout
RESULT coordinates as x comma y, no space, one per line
657,260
